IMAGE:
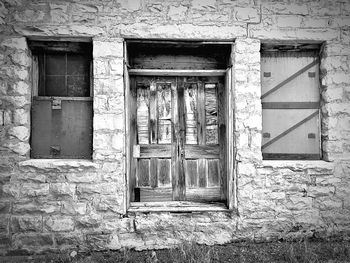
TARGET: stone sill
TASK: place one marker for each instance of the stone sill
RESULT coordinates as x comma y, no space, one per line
48,164
299,164
177,207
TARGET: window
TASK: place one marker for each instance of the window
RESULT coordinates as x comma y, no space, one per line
290,102
61,118
177,122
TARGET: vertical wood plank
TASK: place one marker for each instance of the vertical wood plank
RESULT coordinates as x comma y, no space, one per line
202,173
164,113
211,114
143,170
222,138
181,141
201,114
142,114
41,84
76,136
153,113
191,113
41,128
213,172
153,173
191,173
164,172
175,138
130,129
230,164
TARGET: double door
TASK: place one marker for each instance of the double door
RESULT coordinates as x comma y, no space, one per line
178,134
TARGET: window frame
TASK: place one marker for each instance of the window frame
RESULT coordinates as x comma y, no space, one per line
282,48
180,206
59,104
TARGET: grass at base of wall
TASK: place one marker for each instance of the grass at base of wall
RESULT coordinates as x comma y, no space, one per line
292,252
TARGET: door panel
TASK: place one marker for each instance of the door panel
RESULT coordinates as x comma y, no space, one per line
179,151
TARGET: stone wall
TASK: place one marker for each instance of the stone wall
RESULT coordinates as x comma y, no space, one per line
66,204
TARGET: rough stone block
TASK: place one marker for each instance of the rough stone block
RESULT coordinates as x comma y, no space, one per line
21,116
130,5
33,190
112,48
289,21
22,148
120,225
4,224
89,221
26,223
108,122
72,240
112,203
108,86
98,241
20,132
97,188
317,22
73,208
15,43
177,12
58,12
319,191
36,206
63,189
5,207
247,14
285,8
37,242
59,223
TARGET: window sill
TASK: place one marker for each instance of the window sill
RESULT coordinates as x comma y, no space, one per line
177,206
300,164
61,164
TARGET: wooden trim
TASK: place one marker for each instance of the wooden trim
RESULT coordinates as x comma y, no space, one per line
177,206
176,72
290,105
290,156
296,74
62,98
59,39
128,146
61,46
202,151
289,130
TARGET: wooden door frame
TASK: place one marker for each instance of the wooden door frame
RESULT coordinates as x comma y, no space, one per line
230,151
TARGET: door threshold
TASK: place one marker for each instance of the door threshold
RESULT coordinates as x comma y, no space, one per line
177,206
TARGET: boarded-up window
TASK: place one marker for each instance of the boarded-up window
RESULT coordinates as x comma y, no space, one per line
290,102
62,101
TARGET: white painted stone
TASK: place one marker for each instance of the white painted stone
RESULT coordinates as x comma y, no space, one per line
113,47
108,122
289,21
177,12
204,4
15,43
22,88
131,5
247,14
20,132
22,148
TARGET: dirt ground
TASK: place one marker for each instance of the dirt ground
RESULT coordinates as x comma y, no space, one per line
303,251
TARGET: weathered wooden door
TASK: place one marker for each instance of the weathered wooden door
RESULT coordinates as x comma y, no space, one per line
178,135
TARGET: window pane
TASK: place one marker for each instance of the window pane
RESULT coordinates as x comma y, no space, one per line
55,86
78,86
55,64
78,64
